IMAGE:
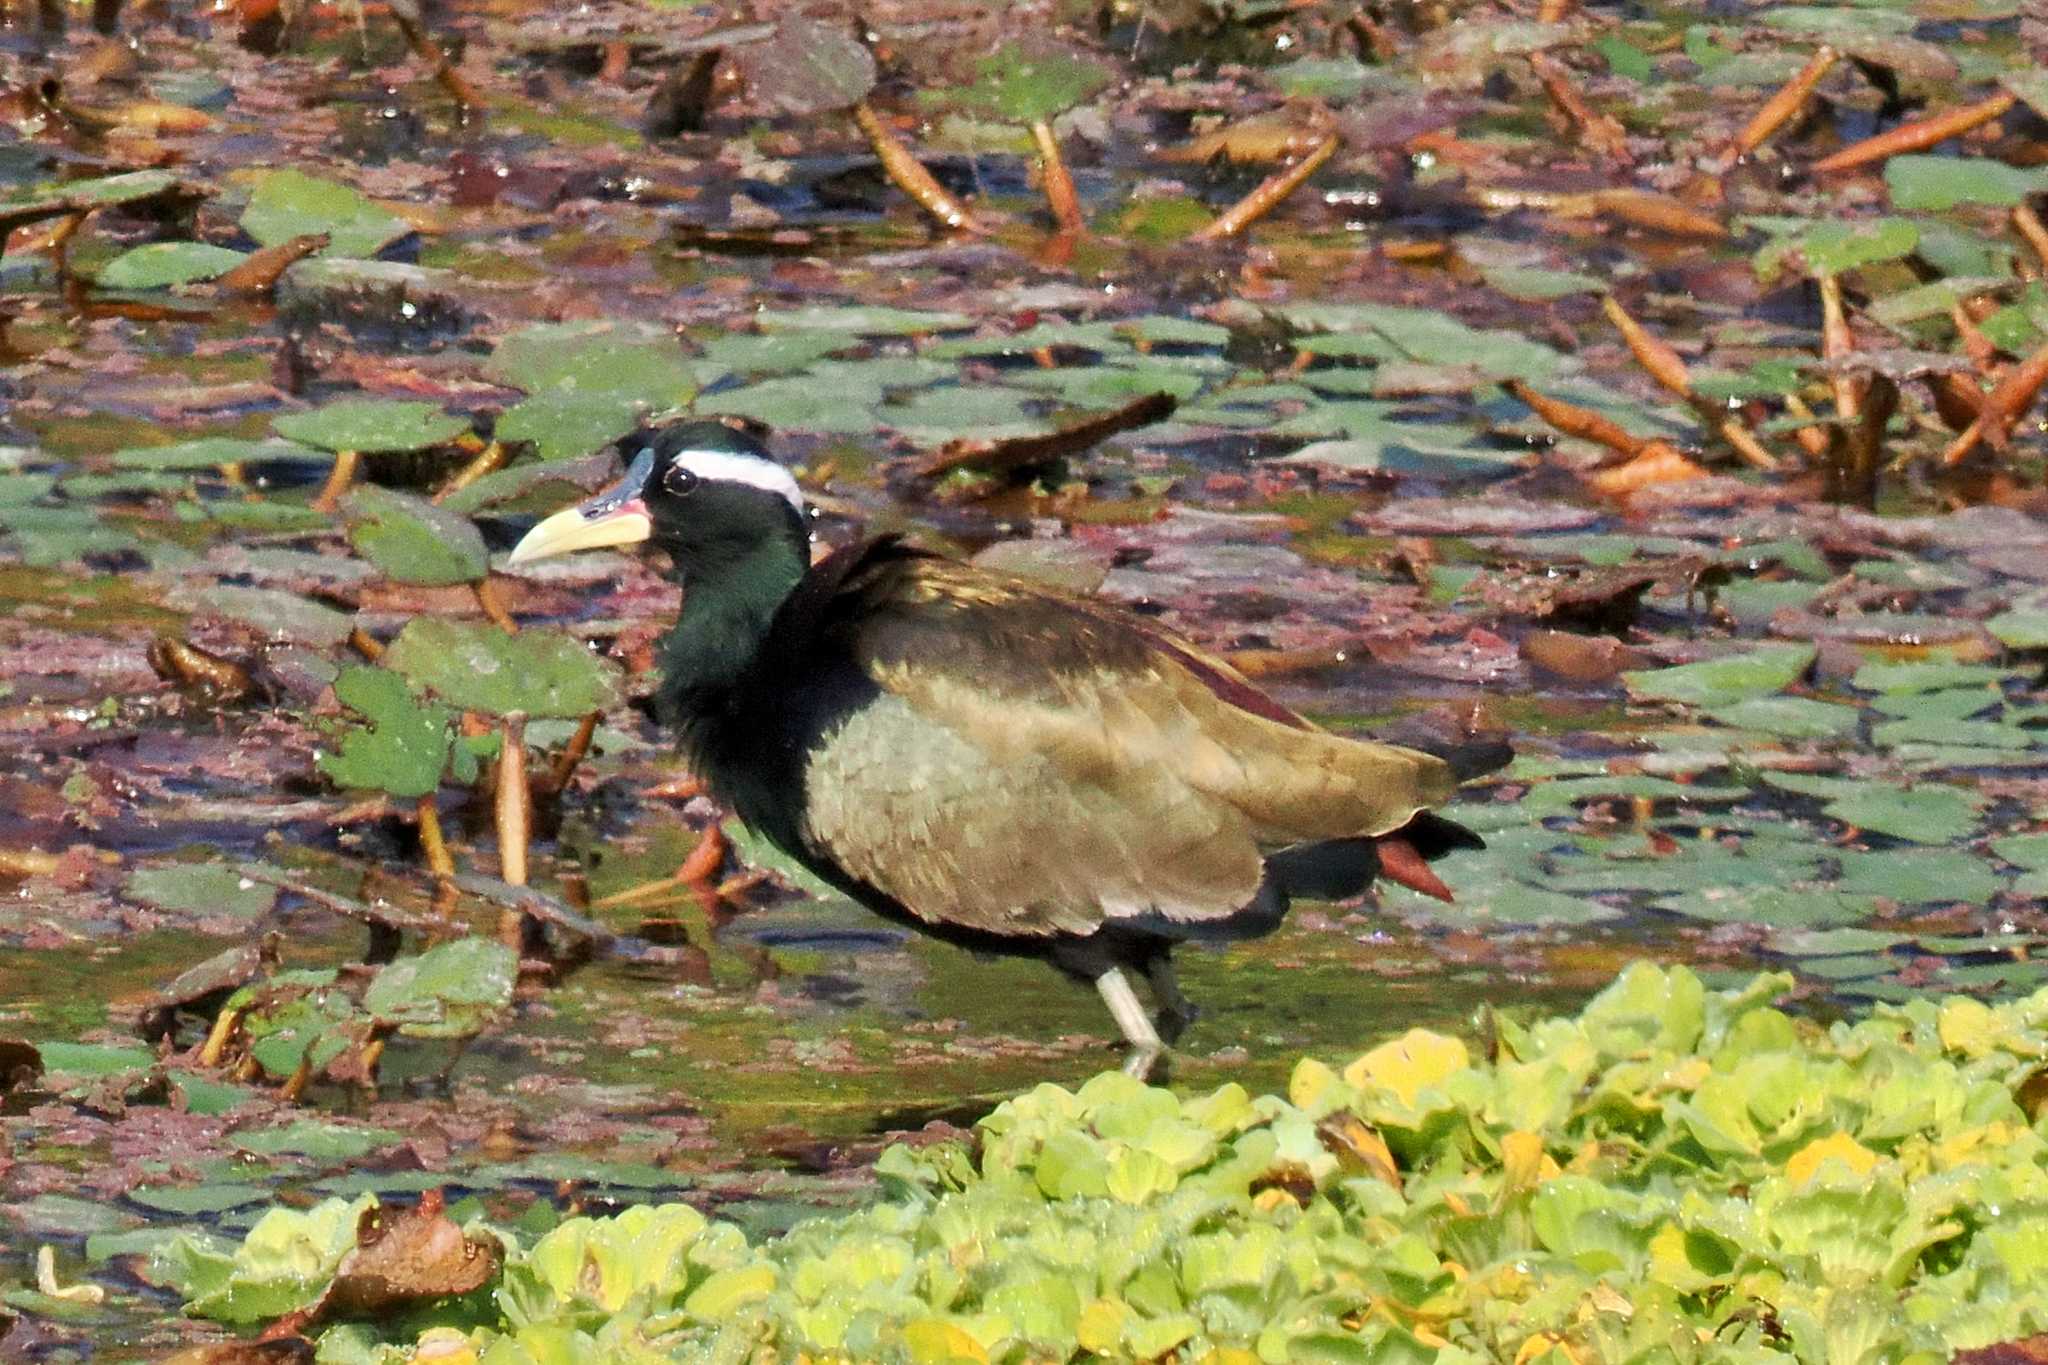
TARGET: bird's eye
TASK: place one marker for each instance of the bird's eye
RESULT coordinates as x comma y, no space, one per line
680,481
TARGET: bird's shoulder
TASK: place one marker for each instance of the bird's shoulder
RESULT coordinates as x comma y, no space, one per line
897,608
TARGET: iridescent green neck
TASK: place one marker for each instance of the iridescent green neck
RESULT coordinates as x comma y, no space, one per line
729,603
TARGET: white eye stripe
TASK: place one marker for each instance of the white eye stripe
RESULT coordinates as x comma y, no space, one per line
723,466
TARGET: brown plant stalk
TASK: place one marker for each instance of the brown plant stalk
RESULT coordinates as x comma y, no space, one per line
1664,366
909,174
1778,110
2003,405
1268,195
1918,135
1060,195
1602,132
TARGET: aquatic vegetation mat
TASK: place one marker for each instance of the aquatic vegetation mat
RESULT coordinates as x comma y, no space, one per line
1679,1171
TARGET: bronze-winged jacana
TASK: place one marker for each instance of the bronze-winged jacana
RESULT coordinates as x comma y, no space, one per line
986,760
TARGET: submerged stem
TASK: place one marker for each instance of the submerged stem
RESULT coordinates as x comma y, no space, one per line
1060,195
432,843
339,479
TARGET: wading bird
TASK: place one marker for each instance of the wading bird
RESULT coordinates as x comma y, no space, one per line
986,760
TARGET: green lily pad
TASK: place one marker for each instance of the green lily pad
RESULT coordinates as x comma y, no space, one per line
371,425
797,404
290,204
2021,629
451,991
405,747
158,265
480,668
193,1200
629,363
1926,814
1532,284
1788,717
1810,908
1919,876
1923,676
282,617
1029,83
562,425
1936,183
200,889
770,353
412,540
317,1139
1755,673
863,319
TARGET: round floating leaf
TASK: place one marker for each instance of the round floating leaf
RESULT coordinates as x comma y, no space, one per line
1789,717
290,204
371,425
1935,183
795,403
412,540
808,65
1028,82
562,425
1535,285
281,616
200,889
627,362
125,188
2021,629
873,320
1757,673
1926,814
161,264
480,668
405,747
447,992
1918,876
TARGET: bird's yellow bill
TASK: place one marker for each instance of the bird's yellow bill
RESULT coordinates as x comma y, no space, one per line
571,529
617,516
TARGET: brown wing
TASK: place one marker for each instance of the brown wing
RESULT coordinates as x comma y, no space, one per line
1036,763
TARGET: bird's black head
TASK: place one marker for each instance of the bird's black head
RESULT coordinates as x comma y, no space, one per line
709,495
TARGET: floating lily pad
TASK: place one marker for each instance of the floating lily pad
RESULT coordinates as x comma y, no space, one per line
864,319
290,204
797,404
406,745
808,65
2026,629
625,362
1755,673
280,616
563,425
412,540
1777,905
1789,717
1919,876
1934,183
158,265
1028,82
480,668
1925,814
451,991
200,889
372,425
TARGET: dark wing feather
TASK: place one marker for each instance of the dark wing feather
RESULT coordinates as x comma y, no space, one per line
1035,763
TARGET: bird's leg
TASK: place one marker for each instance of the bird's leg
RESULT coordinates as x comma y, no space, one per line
1176,1011
1132,1019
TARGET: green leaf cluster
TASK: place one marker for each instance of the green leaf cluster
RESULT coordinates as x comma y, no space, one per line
1676,1174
